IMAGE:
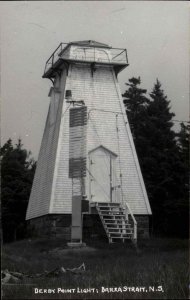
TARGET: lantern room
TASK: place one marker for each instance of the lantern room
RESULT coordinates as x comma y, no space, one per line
88,52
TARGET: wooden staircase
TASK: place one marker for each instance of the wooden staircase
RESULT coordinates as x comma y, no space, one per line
115,221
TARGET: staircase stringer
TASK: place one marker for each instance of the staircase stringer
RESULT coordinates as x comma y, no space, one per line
102,220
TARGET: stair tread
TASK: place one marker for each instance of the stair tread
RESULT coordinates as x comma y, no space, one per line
112,215
110,210
128,229
113,234
116,237
108,203
120,233
119,224
109,207
121,229
112,225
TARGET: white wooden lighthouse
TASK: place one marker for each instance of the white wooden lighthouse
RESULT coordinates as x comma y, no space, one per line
113,187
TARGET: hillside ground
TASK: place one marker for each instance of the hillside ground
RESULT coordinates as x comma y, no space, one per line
159,270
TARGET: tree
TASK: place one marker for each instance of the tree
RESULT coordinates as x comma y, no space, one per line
161,165
183,202
17,169
183,142
135,102
158,153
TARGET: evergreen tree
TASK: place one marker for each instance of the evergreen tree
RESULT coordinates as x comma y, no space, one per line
183,185
162,160
159,156
17,171
163,167
183,142
136,103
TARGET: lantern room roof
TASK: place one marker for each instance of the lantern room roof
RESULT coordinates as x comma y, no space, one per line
90,43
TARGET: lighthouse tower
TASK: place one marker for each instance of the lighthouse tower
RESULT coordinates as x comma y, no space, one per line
113,188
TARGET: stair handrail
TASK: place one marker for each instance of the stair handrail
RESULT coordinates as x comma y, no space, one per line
127,207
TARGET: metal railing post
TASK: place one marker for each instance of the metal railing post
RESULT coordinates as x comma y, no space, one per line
52,60
126,56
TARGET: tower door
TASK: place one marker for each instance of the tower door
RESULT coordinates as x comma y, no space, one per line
102,175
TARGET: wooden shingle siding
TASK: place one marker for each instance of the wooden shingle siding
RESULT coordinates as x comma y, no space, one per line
39,202
52,188
98,92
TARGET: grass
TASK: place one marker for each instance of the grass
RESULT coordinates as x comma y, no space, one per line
161,262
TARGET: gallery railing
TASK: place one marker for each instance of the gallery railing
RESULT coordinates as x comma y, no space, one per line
116,56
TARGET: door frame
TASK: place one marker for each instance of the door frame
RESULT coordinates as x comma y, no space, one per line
112,157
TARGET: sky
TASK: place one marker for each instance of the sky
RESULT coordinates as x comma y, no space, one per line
155,34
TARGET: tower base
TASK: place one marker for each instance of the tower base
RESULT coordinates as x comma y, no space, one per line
55,225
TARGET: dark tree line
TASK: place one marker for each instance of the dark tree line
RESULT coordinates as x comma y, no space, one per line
163,155
17,171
